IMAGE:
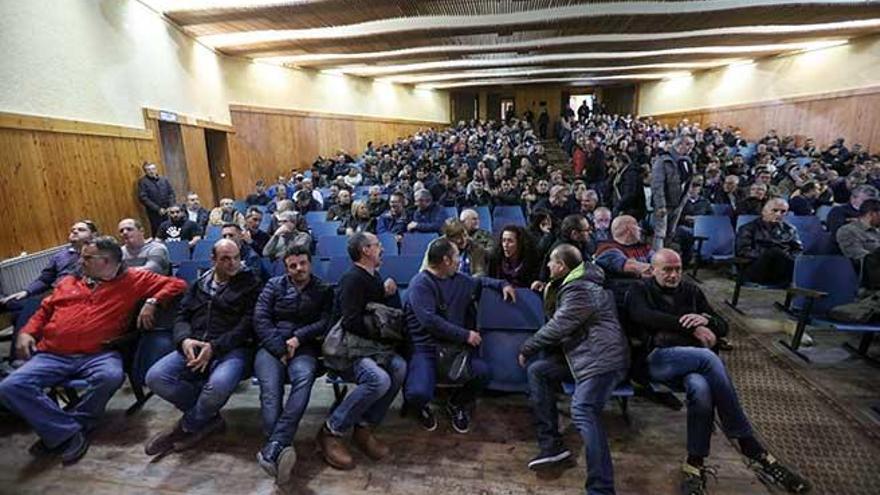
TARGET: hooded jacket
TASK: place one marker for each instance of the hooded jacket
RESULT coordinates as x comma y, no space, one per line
585,325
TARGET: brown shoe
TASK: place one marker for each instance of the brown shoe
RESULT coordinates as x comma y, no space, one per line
334,450
369,444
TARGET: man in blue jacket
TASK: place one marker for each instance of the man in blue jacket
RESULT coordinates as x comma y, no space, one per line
428,217
293,312
439,312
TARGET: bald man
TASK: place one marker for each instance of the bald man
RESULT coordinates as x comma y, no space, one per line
211,333
626,255
772,244
682,329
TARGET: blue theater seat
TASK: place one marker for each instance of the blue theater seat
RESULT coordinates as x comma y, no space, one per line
416,243
332,245
504,327
400,268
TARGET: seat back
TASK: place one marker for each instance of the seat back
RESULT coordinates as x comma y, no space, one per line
332,245
389,243
509,212
212,233
721,209
400,268
450,212
177,251
202,250
324,228
822,212
416,243
485,217
719,233
834,275
499,223
504,327
313,217
191,269
744,219
527,313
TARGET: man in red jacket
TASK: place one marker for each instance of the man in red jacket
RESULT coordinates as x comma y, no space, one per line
66,339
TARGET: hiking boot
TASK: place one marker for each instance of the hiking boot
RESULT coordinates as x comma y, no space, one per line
694,480
364,439
267,457
286,462
191,439
163,442
550,458
74,448
461,421
333,449
427,419
772,471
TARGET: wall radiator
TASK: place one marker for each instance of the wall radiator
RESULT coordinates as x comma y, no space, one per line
16,273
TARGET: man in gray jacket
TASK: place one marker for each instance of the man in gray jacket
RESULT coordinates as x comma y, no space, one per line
585,328
670,172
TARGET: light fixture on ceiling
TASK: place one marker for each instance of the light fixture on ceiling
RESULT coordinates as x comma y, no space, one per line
576,80
741,63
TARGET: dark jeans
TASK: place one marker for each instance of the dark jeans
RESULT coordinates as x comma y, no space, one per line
773,267
421,379
587,402
280,424
24,392
369,401
684,236
199,395
708,387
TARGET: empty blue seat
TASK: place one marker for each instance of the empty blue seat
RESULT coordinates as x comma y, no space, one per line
212,233
744,219
202,250
526,314
450,212
509,212
416,243
500,222
313,217
241,206
324,228
715,237
722,210
191,269
331,270
332,245
804,223
485,217
400,268
389,243
177,251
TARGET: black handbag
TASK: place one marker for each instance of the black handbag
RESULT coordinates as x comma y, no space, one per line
453,359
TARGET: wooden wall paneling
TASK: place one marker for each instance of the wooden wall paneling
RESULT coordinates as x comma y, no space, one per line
198,170
849,114
174,157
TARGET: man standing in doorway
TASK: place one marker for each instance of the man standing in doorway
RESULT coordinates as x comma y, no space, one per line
156,194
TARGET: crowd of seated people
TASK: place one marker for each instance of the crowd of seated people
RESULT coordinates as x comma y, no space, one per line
588,235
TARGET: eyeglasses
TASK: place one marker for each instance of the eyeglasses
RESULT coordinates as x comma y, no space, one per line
88,257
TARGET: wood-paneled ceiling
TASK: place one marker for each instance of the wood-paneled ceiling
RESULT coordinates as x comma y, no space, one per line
455,43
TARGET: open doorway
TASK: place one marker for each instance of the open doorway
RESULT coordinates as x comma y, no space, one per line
508,108
218,162
575,101
174,157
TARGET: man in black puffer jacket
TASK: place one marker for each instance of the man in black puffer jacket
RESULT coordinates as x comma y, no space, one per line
771,242
585,326
293,312
681,329
213,333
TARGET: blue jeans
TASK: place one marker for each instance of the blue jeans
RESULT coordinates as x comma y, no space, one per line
371,398
280,424
421,379
708,387
587,402
199,395
545,378
24,392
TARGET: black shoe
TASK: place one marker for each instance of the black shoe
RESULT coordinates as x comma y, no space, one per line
40,449
164,441
427,419
772,471
724,344
461,421
74,448
549,458
286,462
268,457
694,481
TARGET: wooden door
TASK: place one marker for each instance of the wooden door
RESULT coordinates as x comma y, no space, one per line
218,163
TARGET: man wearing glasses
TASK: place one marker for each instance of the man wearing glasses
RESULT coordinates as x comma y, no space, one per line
67,339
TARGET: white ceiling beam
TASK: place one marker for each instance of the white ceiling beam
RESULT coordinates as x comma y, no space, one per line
507,20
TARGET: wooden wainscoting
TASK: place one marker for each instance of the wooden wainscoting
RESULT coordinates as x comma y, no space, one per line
49,178
269,142
851,114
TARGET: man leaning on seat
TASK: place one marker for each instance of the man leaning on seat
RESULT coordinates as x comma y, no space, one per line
68,339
